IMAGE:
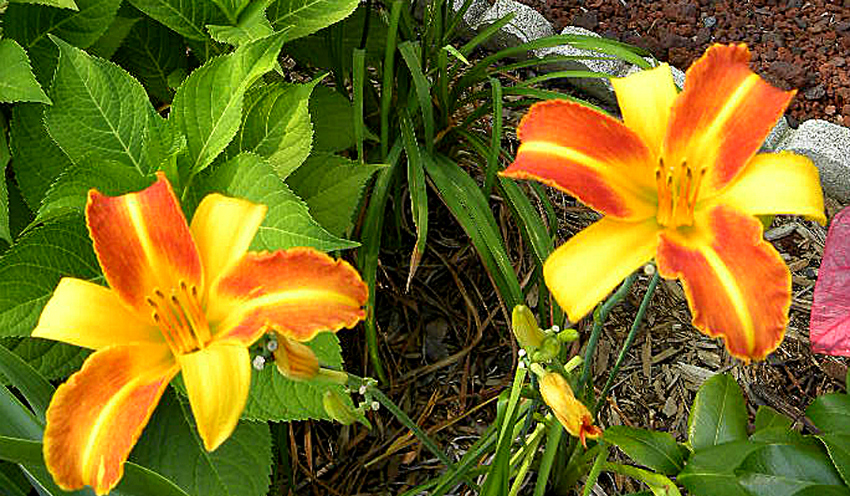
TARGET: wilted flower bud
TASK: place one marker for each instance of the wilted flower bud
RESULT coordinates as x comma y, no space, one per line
337,408
571,413
295,360
526,330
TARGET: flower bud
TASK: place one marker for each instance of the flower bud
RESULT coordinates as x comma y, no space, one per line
549,349
568,335
337,409
526,330
295,360
570,412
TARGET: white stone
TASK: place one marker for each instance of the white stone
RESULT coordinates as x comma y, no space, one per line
828,145
527,25
779,132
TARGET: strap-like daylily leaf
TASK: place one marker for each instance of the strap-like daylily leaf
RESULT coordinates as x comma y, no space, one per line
830,322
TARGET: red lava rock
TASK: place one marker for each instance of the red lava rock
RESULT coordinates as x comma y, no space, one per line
845,110
795,43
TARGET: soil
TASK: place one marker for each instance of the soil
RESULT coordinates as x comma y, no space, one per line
801,44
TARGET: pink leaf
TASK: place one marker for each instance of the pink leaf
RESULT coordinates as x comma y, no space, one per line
830,322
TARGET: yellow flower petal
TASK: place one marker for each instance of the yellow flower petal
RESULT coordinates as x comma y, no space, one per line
645,99
223,229
777,183
88,315
217,381
582,271
95,418
570,412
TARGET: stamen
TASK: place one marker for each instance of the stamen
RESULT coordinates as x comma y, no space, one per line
180,318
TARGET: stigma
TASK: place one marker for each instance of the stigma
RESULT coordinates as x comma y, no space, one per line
678,190
179,316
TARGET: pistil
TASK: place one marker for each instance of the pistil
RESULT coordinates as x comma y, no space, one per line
678,190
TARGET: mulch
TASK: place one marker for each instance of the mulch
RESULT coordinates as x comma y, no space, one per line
800,44
446,342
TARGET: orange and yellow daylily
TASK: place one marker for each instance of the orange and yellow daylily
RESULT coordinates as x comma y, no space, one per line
678,179
188,299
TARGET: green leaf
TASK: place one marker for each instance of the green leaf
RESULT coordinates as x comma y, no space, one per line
151,52
252,26
655,450
18,420
838,448
62,4
332,185
418,192
315,49
51,359
17,82
276,125
31,268
5,155
208,106
30,383
718,414
163,142
274,397
466,202
785,469
29,25
106,46
333,120
831,413
69,192
137,481
308,16
710,472
232,8
170,445
288,222
186,17
13,480
36,159
767,417
99,111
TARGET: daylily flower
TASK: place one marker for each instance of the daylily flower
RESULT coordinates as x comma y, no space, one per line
183,299
679,180
570,412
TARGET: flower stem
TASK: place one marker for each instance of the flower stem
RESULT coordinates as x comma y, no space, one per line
599,318
644,304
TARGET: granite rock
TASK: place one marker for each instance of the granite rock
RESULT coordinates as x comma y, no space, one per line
779,132
527,24
827,145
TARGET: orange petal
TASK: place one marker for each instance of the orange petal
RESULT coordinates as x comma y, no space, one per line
723,116
736,283
88,315
298,292
143,242
223,229
95,418
217,380
591,156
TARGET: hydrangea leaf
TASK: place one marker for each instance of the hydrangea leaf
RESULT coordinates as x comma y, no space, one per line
308,16
17,82
187,18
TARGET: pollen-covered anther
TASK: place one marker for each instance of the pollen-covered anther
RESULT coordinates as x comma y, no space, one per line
180,318
678,190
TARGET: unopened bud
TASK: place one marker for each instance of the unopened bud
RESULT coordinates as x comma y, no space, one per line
548,350
568,335
525,327
295,360
337,408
